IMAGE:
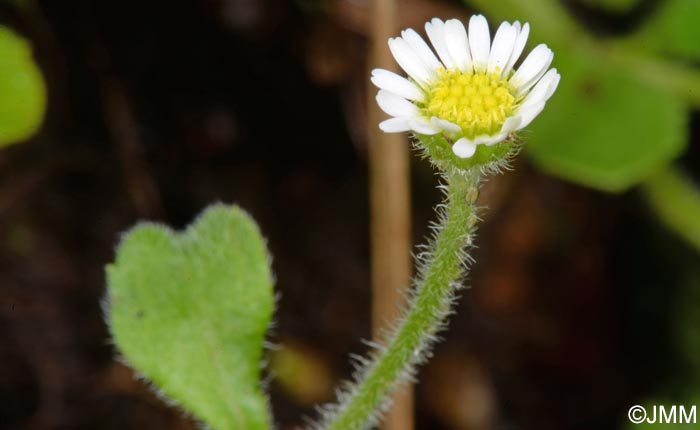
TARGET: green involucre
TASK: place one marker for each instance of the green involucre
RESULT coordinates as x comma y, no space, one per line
438,150
190,311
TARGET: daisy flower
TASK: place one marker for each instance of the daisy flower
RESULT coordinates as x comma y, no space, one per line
470,92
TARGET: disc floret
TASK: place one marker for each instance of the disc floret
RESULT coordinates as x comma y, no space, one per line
478,103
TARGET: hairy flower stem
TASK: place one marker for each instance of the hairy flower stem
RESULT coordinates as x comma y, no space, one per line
439,275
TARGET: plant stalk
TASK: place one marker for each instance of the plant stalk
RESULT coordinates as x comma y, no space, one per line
440,271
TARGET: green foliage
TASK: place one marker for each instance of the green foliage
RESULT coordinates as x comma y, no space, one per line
190,311
23,100
676,201
675,29
617,6
605,129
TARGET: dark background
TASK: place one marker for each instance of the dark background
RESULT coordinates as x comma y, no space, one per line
158,109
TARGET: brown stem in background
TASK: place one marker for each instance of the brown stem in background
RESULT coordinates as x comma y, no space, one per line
121,122
125,133
390,207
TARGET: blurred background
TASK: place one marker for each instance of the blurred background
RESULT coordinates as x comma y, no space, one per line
586,296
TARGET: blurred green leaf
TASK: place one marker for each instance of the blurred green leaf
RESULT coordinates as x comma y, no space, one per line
603,128
675,29
550,21
618,6
23,100
675,199
190,311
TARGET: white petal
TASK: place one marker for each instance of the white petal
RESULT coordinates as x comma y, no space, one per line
423,126
399,85
446,125
395,105
529,113
421,48
543,90
532,69
518,47
511,124
464,148
492,140
479,41
553,84
395,125
409,61
436,33
517,26
458,45
502,48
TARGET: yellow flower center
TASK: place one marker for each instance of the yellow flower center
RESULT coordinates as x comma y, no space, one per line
477,102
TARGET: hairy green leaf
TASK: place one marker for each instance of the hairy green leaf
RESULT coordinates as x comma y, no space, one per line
603,128
23,100
190,311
